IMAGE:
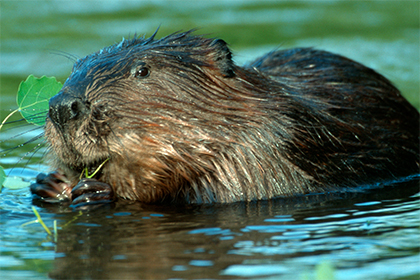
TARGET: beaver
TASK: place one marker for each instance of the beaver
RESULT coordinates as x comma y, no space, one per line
175,120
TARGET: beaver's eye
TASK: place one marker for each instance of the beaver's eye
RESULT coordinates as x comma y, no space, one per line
142,73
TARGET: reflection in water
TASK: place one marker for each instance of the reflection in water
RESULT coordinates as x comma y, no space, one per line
283,237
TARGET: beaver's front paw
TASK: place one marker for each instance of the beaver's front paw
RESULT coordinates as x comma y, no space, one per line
52,188
90,191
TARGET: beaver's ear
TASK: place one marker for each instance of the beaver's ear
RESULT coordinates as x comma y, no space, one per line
222,57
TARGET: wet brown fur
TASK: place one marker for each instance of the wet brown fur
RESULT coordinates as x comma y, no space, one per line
199,128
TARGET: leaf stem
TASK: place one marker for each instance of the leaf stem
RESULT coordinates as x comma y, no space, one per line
6,118
94,173
41,221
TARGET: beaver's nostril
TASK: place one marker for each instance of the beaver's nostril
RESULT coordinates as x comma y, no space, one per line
75,108
64,108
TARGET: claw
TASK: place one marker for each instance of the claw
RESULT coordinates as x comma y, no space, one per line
55,188
91,191
51,188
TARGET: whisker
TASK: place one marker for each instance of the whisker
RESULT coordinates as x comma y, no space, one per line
14,121
46,150
33,152
33,139
67,55
36,116
21,133
39,115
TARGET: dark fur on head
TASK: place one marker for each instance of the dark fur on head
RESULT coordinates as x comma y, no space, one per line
179,121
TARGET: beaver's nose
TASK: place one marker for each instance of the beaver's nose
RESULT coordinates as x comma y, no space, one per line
64,107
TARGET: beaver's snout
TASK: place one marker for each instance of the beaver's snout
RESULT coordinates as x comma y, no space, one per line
65,107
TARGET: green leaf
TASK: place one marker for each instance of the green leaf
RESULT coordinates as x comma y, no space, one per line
33,97
15,183
2,177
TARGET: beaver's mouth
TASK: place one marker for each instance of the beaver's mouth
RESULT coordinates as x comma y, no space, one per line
77,145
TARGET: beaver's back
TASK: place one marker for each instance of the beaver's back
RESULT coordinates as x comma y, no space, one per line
352,125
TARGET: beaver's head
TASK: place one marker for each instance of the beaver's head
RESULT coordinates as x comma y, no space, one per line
154,105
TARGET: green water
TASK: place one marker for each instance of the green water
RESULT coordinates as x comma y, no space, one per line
364,238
